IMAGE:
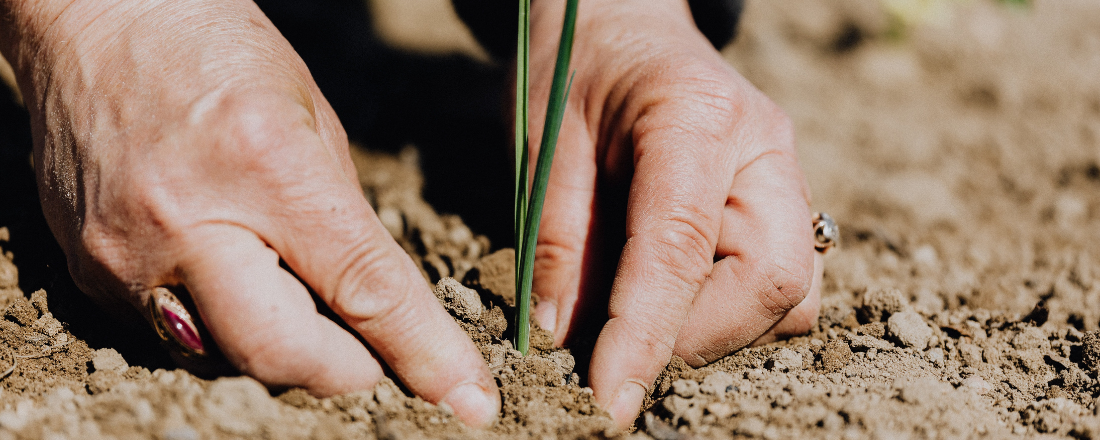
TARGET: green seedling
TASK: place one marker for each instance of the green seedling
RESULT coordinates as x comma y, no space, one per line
528,208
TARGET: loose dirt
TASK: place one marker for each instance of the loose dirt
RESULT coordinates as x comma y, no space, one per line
959,150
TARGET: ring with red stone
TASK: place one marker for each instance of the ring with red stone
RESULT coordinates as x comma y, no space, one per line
174,323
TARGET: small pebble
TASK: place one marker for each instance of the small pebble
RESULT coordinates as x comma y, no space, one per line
752,427
462,300
910,329
835,356
936,356
685,388
1031,338
720,409
676,405
9,274
879,304
786,360
392,220
109,359
978,385
717,383
460,233
658,429
1091,343
693,415
971,354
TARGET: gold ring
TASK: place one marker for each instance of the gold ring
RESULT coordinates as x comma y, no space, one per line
174,323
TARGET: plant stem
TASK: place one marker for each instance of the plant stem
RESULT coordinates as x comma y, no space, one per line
555,113
523,79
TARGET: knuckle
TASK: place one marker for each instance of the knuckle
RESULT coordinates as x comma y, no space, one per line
787,284
780,125
552,254
727,102
716,97
694,93
261,131
778,129
698,355
721,105
685,246
704,94
254,137
368,288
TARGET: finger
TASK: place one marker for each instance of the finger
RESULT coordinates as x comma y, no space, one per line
338,246
768,268
264,320
673,218
566,253
802,317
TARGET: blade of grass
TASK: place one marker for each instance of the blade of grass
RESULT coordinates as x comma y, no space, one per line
555,112
523,78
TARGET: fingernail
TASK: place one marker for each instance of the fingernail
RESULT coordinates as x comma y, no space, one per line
547,316
474,405
628,400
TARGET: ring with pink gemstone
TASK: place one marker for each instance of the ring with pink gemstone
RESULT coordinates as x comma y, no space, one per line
174,323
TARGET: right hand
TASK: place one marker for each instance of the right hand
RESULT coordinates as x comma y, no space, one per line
667,147
185,143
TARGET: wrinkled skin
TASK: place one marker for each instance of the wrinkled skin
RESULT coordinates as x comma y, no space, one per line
184,143
661,132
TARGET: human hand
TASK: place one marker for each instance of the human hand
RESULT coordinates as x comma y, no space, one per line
665,144
185,143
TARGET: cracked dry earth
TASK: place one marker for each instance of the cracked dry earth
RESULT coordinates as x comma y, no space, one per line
961,156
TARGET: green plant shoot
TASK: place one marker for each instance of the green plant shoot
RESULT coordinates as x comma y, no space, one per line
528,209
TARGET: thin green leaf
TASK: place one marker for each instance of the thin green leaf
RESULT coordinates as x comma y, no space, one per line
523,49
555,113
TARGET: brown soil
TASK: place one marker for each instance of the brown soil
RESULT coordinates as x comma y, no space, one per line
961,156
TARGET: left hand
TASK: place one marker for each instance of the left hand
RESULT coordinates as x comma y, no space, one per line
666,145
